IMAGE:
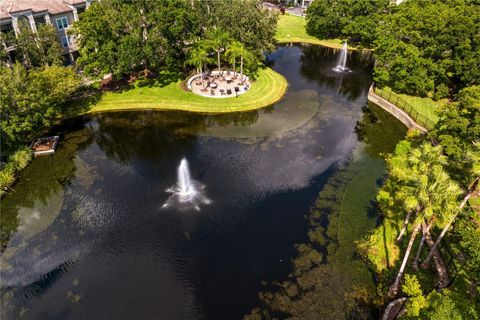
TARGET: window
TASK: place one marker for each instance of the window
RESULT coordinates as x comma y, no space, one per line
62,23
65,42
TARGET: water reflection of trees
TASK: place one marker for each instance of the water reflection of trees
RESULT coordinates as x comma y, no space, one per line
44,177
328,280
150,134
317,63
379,130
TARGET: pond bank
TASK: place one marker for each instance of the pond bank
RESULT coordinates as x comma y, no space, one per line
291,29
398,113
268,88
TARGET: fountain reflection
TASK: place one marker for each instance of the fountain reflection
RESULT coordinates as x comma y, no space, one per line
187,193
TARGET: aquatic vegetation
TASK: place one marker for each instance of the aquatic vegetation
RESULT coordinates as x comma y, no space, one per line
328,276
16,162
46,176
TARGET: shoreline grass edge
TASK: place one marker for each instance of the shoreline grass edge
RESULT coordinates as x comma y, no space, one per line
269,87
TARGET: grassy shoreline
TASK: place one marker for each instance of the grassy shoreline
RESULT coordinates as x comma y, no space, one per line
425,106
268,88
291,29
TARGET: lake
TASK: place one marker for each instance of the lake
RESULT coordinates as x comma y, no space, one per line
86,235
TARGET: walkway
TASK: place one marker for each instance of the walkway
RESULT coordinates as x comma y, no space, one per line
394,110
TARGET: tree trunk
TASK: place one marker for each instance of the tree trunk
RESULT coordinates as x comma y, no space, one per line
393,290
404,228
218,60
201,77
241,68
144,26
426,263
425,230
439,263
235,67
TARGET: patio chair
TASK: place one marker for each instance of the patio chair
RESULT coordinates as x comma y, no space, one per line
212,92
229,91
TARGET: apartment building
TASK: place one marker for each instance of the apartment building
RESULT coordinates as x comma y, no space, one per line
16,15
300,3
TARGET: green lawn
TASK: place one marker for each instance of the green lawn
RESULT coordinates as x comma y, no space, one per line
292,29
424,106
266,89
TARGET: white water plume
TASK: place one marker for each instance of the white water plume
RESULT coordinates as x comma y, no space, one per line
342,60
186,193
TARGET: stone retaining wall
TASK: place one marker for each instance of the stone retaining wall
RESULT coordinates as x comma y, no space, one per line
395,111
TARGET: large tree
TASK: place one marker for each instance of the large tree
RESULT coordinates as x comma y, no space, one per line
119,36
418,186
36,49
429,47
218,41
30,101
355,20
457,130
247,21
198,57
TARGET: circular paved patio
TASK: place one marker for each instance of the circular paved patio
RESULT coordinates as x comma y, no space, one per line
225,84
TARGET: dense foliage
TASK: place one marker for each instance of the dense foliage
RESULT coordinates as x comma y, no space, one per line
457,130
30,101
429,47
16,162
123,36
119,37
457,155
35,49
422,47
355,20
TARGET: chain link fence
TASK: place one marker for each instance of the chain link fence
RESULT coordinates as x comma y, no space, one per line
405,106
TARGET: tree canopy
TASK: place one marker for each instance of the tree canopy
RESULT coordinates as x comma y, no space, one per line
30,101
120,36
428,47
35,49
457,131
354,20
422,47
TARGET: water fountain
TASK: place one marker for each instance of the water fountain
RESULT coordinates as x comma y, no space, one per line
187,193
184,182
342,60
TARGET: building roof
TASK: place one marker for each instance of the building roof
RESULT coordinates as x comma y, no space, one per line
7,7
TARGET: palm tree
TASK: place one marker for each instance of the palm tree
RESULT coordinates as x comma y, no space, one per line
234,50
246,56
404,227
198,57
442,193
392,291
470,192
218,40
422,175
474,155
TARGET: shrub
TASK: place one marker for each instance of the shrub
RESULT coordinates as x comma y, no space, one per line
441,91
16,162
21,158
7,178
